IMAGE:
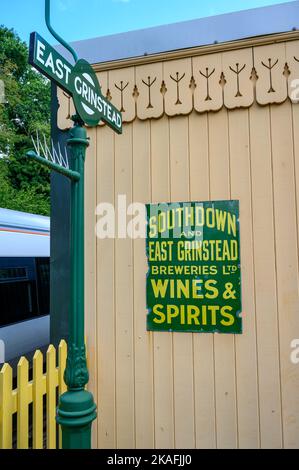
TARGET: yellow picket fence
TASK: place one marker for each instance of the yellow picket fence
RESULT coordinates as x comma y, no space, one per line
24,405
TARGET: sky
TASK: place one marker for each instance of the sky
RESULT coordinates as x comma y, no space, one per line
74,21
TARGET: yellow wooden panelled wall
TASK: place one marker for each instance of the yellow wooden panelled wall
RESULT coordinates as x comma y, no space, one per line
234,135
16,401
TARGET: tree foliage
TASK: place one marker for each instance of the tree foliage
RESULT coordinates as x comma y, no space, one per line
25,110
26,199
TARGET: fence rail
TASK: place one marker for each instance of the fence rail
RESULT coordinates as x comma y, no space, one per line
24,405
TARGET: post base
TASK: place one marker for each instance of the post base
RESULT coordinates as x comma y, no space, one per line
75,413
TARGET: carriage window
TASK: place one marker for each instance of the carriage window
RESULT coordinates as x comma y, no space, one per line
43,284
24,289
12,274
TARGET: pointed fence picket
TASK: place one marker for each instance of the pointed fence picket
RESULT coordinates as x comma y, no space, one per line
26,401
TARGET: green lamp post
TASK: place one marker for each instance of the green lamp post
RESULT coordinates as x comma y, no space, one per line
76,410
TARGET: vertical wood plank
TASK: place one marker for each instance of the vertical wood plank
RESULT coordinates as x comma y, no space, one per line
37,400
265,278
204,384
295,111
144,411
246,355
125,395
182,342
51,397
22,406
163,357
224,347
90,265
106,333
286,265
6,403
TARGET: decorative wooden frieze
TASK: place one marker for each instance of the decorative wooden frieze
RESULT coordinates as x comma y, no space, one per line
269,63
150,103
176,87
237,70
208,93
103,81
121,86
292,58
236,78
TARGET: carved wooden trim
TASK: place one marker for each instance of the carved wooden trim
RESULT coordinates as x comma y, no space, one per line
237,78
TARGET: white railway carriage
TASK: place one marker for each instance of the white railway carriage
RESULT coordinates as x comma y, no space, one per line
24,283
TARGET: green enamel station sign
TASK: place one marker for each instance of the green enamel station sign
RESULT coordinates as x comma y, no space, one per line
79,81
194,280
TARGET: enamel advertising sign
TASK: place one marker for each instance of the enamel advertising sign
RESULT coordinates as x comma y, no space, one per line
194,280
